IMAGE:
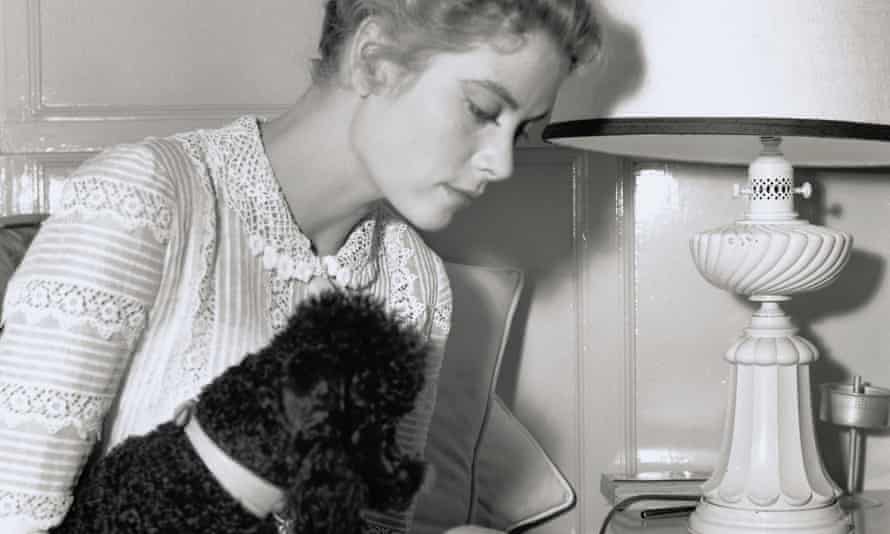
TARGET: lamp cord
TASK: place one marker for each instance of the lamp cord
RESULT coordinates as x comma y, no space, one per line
624,503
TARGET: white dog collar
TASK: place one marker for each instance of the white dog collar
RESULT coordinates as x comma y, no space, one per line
255,494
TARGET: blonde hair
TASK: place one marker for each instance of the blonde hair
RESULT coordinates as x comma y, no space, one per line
417,29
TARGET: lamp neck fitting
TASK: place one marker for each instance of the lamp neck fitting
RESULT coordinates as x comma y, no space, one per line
771,185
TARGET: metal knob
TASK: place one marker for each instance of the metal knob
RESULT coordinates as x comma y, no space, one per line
806,190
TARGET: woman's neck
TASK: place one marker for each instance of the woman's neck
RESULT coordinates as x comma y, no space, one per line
327,189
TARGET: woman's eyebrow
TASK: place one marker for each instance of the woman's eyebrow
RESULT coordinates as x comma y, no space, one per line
505,95
497,89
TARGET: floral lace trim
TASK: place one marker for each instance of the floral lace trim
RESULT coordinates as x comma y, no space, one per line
196,355
72,305
442,310
252,191
134,207
281,292
52,408
442,317
42,511
402,295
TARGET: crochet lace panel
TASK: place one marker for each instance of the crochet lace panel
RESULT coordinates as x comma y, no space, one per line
42,511
72,305
207,161
280,291
442,311
131,206
250,189
403,294
54,409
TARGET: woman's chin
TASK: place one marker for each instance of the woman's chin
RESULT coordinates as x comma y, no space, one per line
431,222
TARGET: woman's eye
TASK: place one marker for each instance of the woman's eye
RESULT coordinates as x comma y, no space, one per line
482,115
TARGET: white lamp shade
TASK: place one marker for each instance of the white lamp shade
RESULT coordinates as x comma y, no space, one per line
816,72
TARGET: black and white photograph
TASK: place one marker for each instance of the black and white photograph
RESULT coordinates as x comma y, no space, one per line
444,267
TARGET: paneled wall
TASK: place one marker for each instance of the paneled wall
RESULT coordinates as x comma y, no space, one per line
616,359
79,75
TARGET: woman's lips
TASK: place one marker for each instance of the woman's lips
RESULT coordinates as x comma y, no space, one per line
465,195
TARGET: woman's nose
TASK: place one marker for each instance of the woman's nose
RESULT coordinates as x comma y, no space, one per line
495,160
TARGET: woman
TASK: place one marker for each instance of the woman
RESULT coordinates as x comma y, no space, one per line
181,255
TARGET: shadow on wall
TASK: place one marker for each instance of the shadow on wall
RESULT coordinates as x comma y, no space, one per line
616,73
858,284
598,86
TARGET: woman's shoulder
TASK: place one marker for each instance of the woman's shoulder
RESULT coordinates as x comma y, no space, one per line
128,182
151,165
154,176
169,160
122,160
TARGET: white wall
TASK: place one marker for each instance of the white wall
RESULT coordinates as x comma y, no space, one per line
616,362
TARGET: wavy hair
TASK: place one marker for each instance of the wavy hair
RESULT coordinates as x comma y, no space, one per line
417,29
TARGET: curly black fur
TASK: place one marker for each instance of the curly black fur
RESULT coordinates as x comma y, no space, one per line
314,412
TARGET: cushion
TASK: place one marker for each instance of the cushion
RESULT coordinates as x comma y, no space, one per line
467,412
518,485
16,233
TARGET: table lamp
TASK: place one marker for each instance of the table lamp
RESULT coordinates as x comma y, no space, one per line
769,84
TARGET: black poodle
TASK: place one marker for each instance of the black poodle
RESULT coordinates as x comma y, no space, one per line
314,413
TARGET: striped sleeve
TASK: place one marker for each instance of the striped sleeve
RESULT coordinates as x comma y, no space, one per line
73,313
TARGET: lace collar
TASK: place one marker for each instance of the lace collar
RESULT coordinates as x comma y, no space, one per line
252,191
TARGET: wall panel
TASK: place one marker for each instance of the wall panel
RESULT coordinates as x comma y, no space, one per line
84,74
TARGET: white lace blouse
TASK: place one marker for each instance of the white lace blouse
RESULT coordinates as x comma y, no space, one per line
169,261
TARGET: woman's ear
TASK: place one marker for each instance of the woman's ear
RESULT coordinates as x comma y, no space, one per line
369,72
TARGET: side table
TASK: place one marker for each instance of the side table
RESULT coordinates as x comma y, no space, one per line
874,520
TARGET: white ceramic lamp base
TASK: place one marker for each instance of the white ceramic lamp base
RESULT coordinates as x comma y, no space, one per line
712,519
770,476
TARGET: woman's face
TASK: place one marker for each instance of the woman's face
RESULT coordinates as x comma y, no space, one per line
431,147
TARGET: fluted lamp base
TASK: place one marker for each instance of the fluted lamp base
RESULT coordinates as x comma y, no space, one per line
770,477
714,519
